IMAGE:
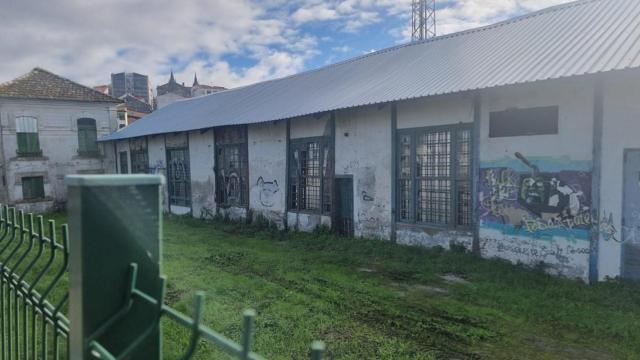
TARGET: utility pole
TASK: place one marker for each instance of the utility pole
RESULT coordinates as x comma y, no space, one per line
423,19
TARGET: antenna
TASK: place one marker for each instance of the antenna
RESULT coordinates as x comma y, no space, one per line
423,19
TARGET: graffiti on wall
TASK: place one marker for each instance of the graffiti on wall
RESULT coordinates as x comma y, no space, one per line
518,198
267,191
527,200
232,186
157,167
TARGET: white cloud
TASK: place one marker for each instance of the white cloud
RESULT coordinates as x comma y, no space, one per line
87,40
319,12
454,16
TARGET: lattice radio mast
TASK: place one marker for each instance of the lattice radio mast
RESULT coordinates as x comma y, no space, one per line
423,19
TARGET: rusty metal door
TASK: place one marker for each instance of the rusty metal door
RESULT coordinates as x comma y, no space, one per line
631,215
344,205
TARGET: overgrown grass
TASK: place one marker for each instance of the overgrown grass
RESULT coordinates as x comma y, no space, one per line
374,299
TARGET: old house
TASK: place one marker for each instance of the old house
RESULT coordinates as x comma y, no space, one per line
48,128
172,91
516,140
135,108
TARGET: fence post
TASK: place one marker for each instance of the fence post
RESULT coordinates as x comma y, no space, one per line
115,220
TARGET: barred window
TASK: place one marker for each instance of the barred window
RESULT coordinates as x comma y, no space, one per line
139,156
124,162
232,166
179,176
434,176
310,175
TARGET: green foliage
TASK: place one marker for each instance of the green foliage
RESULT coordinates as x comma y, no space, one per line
376,299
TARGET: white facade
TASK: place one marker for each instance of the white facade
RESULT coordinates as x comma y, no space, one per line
166,99
581,238
57,127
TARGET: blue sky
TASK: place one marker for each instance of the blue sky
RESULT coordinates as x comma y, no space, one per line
228,43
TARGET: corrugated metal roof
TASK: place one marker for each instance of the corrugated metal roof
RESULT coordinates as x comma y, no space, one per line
577,38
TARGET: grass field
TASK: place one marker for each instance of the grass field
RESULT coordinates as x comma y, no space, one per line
376,300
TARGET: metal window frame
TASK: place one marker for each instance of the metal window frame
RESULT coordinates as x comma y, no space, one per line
120,152
453,174
295,144
28,182
29,143
84,128
187,196
243,147
137,151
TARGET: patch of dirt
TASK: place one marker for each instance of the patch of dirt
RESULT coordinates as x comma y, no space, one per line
173,295
454,279
366,270
339,334
402,290
564,351
430,290
226,259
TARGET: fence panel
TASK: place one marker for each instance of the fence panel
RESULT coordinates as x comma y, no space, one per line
117,293
111,274
33,291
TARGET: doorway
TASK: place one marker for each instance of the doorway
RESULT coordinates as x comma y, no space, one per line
179,177
344,205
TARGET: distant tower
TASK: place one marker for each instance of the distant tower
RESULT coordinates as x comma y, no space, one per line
423,19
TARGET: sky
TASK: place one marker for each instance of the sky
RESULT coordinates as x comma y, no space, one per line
226,42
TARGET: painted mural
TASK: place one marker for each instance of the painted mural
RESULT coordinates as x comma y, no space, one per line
537,197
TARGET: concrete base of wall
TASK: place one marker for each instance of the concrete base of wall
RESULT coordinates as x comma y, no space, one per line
307,222
179,210
429,237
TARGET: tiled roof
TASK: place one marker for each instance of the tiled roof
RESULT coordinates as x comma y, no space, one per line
42,84
136,104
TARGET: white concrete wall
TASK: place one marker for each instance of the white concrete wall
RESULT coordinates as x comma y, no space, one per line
267,170
510,230
362,146
621,129
166,99
201,152
309,126
58,137
442,110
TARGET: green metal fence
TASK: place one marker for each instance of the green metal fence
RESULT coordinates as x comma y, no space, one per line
32,268
115,295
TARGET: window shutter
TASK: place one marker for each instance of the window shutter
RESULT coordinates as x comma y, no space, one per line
92,136
39,187
33,187
87,136
33,143
22,142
